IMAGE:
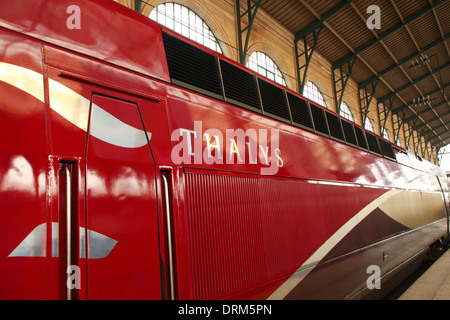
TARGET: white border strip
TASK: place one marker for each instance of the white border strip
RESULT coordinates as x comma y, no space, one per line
75,108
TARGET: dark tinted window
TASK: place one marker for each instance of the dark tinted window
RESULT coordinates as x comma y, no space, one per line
239,86
273,100
191,66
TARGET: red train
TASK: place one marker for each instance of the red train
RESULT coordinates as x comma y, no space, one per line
138,165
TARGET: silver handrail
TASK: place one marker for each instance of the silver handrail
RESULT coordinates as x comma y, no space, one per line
68,229
169,235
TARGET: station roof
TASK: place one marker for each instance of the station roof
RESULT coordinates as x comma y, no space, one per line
406,60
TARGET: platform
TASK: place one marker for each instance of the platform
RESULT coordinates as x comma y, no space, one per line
434,284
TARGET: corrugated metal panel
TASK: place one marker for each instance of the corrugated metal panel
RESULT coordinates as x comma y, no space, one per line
400,44
345,25
330,46
425,29
321,6
379,54
408,7
297,17
444,17
242,229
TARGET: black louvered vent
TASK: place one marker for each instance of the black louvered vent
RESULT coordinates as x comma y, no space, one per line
350,136
386,149
320,122
300,111
273,100
240,86
361,138
334,124
373,143
192,67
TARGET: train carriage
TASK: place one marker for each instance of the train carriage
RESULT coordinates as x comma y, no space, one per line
140,165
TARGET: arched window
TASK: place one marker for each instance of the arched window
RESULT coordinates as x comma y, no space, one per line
385,134
368,125
345,112
186,22
313,93
265,66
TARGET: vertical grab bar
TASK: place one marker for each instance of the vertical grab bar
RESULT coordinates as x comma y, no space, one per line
169,235
68,229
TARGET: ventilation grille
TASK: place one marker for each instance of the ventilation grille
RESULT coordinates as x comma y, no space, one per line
192,66
195,69
334,124
386,149
300,111
240,86
350,136
273,100
361,138
320,122
373,143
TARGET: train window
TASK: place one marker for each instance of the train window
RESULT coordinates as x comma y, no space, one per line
240,86
372,141
349,132
334,124
273,100
386,149
361,137
300,111
320,122
192,67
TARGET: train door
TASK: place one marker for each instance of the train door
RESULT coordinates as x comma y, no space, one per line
104,221
121,232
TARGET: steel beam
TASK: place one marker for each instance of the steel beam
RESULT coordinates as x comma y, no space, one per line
440,68
365,97
403,61
341,81
435,128
251,14
398,124
304,53
317,23
385,112
405,107
304,57
425,111
138,5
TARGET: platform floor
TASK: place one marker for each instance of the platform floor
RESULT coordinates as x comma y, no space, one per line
434,284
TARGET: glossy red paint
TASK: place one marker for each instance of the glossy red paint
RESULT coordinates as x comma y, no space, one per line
104,107
101,34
